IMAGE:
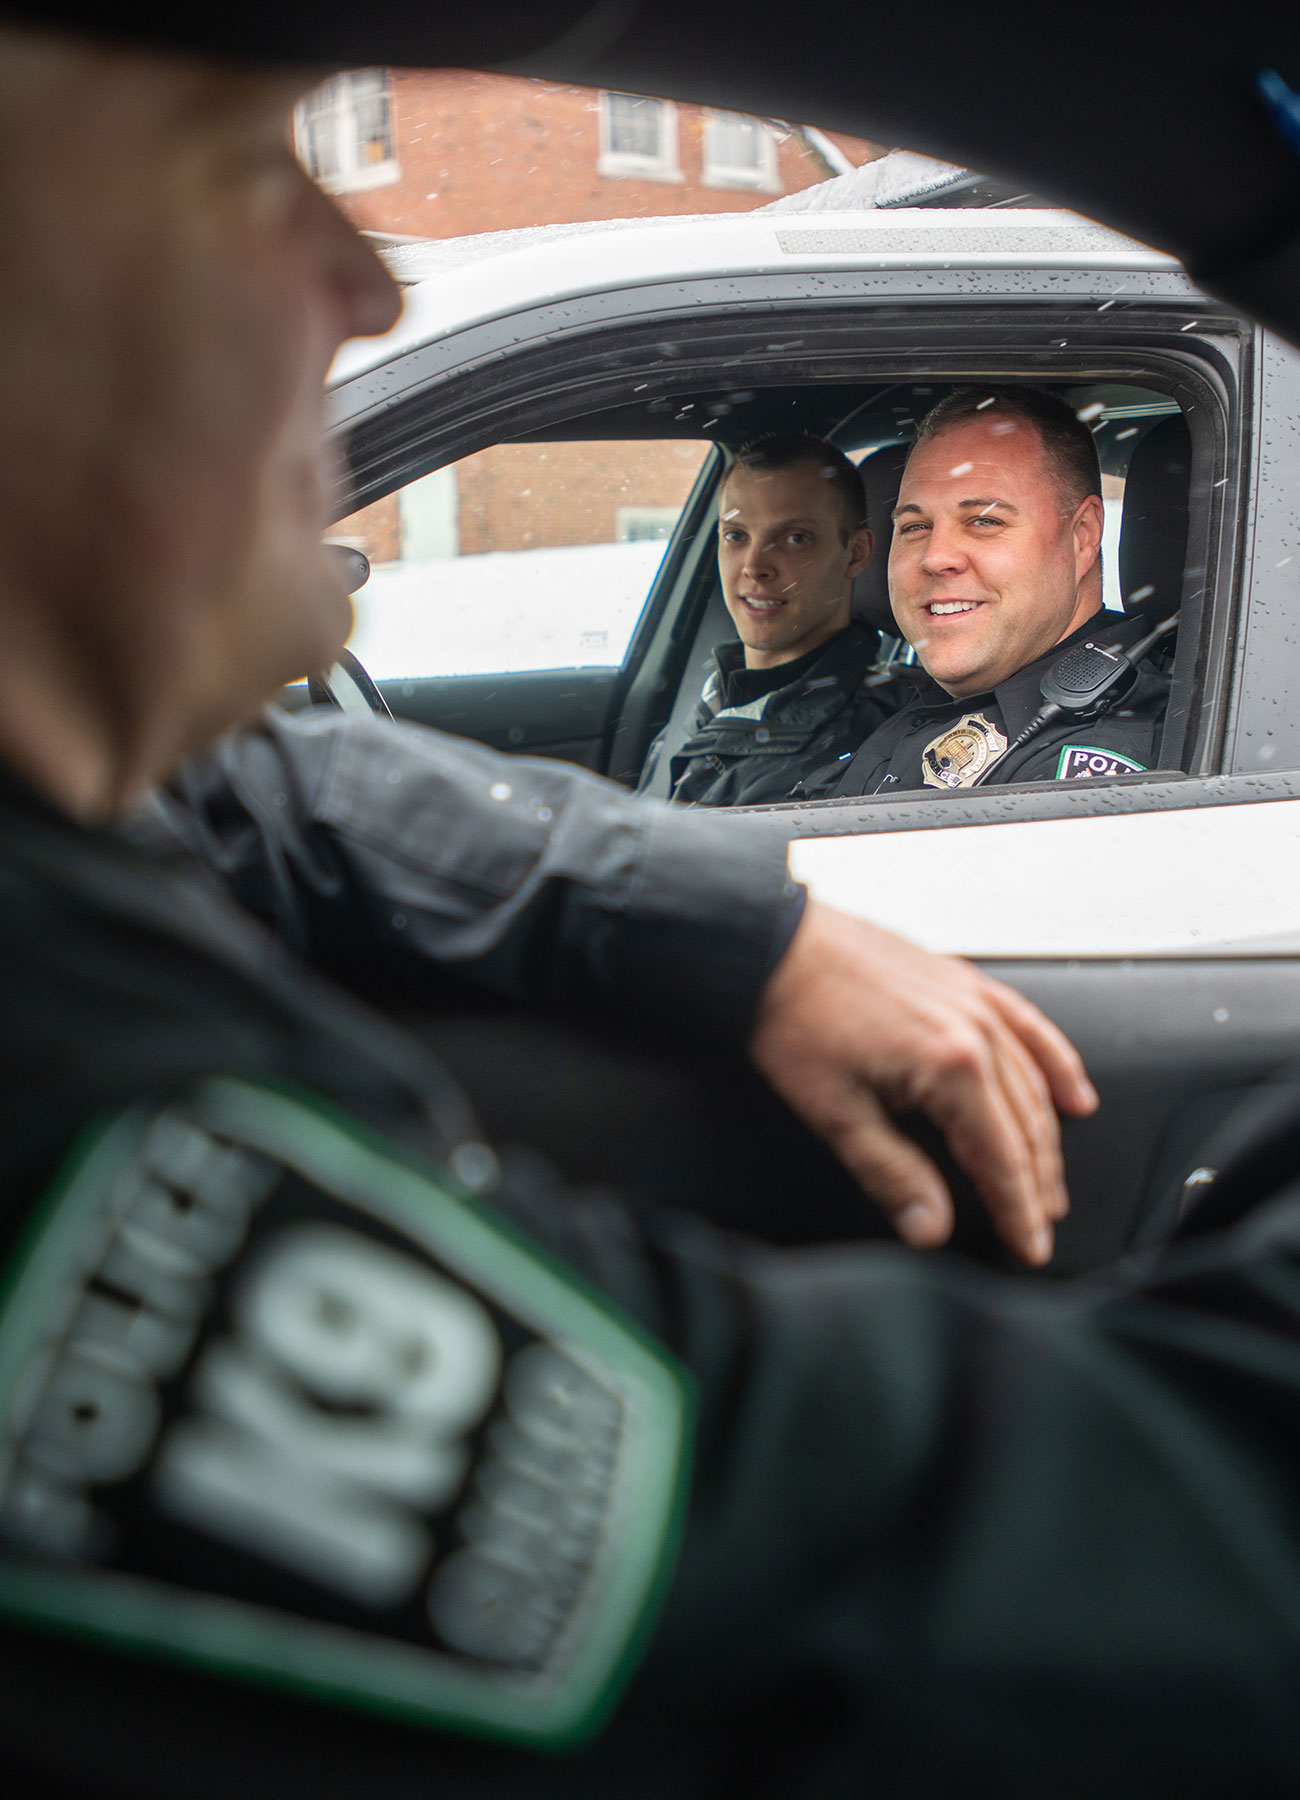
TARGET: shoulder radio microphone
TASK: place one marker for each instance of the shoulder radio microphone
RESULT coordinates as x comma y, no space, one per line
1084,683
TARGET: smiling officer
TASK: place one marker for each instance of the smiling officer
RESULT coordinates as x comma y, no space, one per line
995,575
799,687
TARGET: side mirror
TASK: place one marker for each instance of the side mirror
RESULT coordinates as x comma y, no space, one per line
352,566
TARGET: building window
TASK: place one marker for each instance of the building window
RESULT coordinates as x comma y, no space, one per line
739,152
646,524
344,132
638,137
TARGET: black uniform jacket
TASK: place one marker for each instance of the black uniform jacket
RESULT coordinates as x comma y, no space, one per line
947,1532
758,732
962,736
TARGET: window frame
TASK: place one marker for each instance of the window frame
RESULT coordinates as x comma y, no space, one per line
633,520
616,164
762,178
595,347
352,175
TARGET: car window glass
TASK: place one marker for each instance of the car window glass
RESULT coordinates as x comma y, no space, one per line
520,557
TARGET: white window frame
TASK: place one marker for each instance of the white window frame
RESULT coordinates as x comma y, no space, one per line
664,165
761,177
340,112
646,524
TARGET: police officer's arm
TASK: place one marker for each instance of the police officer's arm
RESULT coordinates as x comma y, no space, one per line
856,1023
1050,1532
364,840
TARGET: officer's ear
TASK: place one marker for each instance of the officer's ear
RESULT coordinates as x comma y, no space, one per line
861,543
1088,525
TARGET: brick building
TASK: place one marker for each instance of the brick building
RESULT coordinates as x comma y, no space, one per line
446,153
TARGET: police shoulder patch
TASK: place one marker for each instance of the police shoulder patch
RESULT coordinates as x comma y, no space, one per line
1081,762
279,1400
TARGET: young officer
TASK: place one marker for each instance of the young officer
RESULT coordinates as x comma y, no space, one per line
798,687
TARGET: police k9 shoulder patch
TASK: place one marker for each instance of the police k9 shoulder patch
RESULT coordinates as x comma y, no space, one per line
1081,762
278,1400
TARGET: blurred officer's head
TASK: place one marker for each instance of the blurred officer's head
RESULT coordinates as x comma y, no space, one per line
175,288
996,554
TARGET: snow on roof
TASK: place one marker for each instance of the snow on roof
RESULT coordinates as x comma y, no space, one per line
418,259
889,180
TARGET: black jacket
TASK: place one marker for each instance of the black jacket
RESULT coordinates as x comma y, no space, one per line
757,733
946,1531
963,736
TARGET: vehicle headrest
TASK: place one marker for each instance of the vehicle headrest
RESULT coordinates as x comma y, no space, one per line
882,473
1153,537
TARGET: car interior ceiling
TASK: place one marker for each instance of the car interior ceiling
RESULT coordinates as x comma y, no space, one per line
1142,441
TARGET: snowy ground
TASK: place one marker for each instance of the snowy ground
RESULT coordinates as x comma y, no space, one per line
574,607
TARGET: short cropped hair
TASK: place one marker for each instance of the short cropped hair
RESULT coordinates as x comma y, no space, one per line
793,449
1067,444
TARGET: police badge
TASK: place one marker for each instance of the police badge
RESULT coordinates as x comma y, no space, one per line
960,755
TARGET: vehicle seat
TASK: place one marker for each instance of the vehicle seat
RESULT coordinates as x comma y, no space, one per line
714,628
1153,534
882,474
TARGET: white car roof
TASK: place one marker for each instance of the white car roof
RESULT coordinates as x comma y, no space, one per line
458,282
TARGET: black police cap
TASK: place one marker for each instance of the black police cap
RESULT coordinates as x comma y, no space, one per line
331,33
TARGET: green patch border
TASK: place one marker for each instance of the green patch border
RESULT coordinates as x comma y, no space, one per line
357,1165
1136,768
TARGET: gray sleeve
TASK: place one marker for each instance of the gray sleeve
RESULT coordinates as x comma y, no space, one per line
365,838
1041,1533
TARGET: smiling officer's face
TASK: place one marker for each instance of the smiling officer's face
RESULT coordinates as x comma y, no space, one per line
990,564
178,286
786,561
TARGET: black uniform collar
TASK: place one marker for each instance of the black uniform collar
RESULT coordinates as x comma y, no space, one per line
839,661
1019,697
741,685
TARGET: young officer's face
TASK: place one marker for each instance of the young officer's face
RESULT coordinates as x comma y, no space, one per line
786,571
989,567
180,287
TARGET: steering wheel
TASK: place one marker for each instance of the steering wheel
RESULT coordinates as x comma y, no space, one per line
347,685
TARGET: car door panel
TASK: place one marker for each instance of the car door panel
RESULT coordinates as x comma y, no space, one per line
1170,1046
548,712
1147,881
1158,939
